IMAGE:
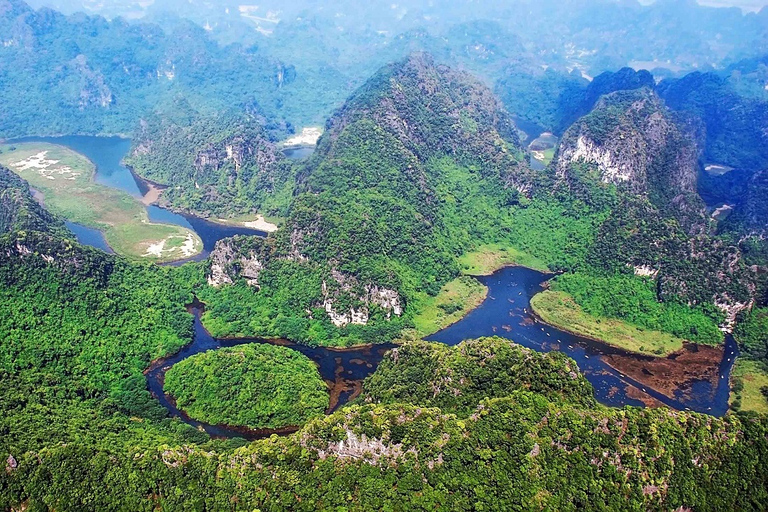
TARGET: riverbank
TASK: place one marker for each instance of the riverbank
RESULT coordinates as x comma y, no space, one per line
66,180
748,380
455,301
489,258
560,310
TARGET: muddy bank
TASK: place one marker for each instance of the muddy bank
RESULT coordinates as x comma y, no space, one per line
673,376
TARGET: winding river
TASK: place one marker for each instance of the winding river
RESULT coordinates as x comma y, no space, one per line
696,378
343,370
106,154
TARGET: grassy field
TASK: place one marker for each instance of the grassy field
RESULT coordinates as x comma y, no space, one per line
489,258
559,309
454,301
65,178
748,378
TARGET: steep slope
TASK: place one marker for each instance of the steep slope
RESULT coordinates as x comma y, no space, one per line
633,141
381,191
736,125
93,75
626,79
18,209
382,209
218,165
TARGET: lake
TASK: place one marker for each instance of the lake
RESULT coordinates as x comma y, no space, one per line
107,153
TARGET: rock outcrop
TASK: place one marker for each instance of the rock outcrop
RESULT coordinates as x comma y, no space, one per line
637,144
346,301
236,258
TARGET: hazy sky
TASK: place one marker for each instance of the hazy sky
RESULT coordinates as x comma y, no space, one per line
747,5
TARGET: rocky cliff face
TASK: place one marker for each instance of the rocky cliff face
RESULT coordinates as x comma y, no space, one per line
237,258
637,144
346,301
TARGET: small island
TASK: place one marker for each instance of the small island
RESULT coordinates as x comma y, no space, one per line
257,386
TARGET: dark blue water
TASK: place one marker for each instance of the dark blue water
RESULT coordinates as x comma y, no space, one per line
342,369
89,236
107,154
507,313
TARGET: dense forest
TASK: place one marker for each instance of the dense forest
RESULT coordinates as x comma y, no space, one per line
254,386
221,165
384,207
423,166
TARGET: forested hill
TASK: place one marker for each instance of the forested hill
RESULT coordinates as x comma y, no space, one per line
643,148
214,165
417,168
432,110
413,147
18,209
84,74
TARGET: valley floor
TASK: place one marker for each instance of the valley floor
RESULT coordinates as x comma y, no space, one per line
65,180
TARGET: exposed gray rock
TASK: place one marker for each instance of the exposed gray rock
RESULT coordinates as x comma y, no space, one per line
637,144
236,258
347,289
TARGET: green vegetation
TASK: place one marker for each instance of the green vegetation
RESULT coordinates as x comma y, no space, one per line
78,329
634,299
749,382
559,309
255,386
20,212
455,300
491,446
65,179
487,259
752,333
456,379
221,166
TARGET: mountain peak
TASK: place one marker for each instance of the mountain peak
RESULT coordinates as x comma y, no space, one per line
430,110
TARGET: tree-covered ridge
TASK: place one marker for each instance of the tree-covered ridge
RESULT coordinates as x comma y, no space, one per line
78,328
381,210
86,74
456,379
18,209
517,450
219,165
735,124
433,111
255,386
